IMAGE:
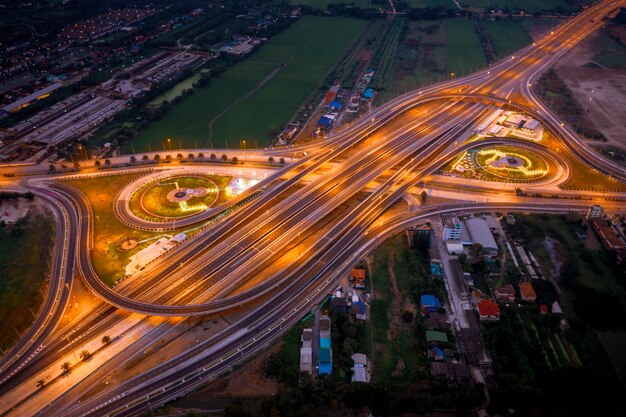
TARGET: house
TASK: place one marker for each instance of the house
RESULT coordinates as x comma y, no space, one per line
488,310
368,93
505,294
556,308
442,370
436,354
430,303
454,247
306,351
433,336
360,370
325,365
544,309
358,310
527,292
595,212
325,122
358,277
334,106
338,304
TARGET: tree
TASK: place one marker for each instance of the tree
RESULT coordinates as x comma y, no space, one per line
107,162
157,157
106,340
97,163
224,158
133,159
168,158
77,165
476,250
41,383
270,160
213,157
85,355
29,195
190,156
282,161
423,197
145,158
201,155
66,367
235,160
179,156
52,168
407,316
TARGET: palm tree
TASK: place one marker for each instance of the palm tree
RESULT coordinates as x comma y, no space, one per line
52,168
133,159
97,163
213,157
271,160
282,161
41,383
157,157
235,160
85,354
423,197
168,158
145,158
179,156
224,157
201,155
107,162
77,165
106,340
190,156
66,367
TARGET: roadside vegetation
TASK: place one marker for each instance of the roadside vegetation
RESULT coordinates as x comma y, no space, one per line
464,53
544,363
24,255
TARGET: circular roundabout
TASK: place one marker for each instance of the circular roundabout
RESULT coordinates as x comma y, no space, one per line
174,197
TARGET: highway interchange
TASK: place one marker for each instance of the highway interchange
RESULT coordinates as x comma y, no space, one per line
393,148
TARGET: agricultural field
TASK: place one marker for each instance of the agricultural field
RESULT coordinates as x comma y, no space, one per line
529,6
420,57
259,94
431,3
323,4
507,36
463,51
561,366
24,249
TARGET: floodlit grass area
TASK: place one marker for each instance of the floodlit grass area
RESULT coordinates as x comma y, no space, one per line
150,201
507,36
323,4
175,91
463,51
584,178
24,249
298,59
305,52
108,262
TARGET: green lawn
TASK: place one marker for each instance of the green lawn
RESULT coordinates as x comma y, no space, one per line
302,54
463,51
529,6
431,3
507,36
323,4
24,249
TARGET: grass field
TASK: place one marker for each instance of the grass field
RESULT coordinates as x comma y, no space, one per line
108,262
175,91
529,6
431,3
299,57
532,162
507,36
323,4
153,196
463,51
24,250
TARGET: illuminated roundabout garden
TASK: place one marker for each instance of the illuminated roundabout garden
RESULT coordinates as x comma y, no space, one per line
509,162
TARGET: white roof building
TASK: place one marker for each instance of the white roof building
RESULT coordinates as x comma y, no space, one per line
480,233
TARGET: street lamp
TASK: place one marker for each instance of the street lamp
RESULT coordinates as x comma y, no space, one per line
169,143
244,149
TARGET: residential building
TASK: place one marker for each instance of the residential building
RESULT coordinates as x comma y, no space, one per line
594,212
433,336
358,277
306,351
430,303
488,310
505,294
360,370
451,227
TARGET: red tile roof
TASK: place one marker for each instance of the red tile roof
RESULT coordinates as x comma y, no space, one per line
487,308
